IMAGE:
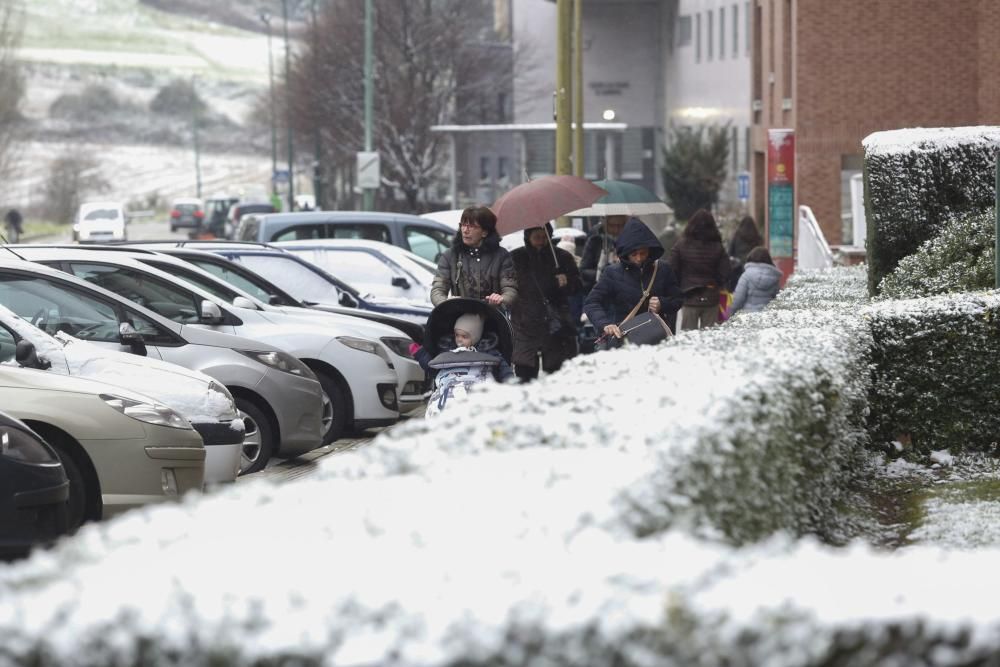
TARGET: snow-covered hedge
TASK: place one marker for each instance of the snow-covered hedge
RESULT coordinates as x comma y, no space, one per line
959,259
916,180
936,371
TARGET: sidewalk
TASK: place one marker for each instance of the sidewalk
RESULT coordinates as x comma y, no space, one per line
286,470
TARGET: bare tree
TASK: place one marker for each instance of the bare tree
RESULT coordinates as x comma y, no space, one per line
71,178
11,83
428,65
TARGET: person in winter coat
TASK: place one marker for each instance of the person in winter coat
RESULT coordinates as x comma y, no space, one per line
622,285
745,238
702,266
759,283
547,277
599,251
476,266
458,370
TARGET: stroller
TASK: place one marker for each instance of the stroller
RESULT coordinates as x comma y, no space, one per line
456,372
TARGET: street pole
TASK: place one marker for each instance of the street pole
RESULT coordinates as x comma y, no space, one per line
288,109
266,18
369,194
194,132
318,173
578,88
563,86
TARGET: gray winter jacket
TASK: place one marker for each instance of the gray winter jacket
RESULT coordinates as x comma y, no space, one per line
759,284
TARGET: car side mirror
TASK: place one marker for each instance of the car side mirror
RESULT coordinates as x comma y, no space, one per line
243,302
400,281
347,300
27,356
132,339
210,312
275,300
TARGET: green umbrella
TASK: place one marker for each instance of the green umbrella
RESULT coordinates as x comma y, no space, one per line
624,199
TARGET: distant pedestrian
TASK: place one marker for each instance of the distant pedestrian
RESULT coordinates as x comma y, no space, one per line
599,251
547,277
476,266
759,283
13,222
702,266
745,238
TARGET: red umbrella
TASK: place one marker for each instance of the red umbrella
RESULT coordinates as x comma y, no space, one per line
534,203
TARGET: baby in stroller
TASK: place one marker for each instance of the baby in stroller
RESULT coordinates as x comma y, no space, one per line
469,357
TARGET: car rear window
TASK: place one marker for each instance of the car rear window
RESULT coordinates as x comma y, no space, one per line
187,208
102,214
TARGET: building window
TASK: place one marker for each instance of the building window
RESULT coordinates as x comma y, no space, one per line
502,168
736,31
684,31
484,168
697,38
734,149
502,107
711,34
746,17
722,33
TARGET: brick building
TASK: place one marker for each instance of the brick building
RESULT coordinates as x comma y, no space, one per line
836,71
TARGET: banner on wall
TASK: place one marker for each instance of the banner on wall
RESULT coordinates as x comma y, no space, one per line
781,198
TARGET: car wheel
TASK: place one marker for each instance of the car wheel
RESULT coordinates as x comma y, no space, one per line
335,409
76,504
258,439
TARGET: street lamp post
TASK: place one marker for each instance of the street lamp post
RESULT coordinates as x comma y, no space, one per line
288,109
265,16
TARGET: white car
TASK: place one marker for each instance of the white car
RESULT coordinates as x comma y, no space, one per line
371,267
201,400
99,221
356,374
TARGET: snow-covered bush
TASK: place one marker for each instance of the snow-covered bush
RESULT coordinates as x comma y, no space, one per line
916,181
959,259
936,371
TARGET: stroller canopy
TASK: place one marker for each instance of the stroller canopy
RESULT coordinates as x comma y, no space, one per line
441,324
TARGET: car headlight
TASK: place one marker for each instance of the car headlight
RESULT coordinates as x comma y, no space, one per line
281,361
216,388
18,445
151,413
400,346
366,345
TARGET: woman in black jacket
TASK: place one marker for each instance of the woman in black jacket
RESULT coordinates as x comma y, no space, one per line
702,266
476,266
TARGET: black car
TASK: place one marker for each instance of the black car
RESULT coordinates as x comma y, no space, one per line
33,490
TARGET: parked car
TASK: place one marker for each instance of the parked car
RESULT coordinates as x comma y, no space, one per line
201,400
187,213
99,222
278,397
242,208
373,268
356,373
33,489
261,288
421,236
120,449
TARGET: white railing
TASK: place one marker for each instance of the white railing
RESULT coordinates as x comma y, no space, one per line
813,252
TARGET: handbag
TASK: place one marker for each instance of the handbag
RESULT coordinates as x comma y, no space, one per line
648,328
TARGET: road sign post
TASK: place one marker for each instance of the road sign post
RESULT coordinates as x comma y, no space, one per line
743,186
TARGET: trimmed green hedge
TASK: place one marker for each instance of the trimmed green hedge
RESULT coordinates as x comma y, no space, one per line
960,259
916,181
936,372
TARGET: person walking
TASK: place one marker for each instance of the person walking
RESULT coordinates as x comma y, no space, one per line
745,238
476,266
759,283
599,251
547,277
702,266
13,222
640,280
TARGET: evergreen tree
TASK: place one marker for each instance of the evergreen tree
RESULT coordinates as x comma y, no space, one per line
694,166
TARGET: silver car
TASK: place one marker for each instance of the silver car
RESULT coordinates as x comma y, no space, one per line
277,396
120,449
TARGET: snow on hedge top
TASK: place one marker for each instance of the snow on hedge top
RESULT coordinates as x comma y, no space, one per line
929,139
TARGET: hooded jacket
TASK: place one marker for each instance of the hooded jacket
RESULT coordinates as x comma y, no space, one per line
759,284
621,285
475,272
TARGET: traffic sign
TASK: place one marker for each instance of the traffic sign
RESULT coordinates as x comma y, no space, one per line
279,176
369,170
743,185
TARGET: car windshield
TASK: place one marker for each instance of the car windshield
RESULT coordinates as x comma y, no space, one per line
245,280
293,277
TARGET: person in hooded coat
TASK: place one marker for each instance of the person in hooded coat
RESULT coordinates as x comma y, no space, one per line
621,285
547,277
758,284
476,266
